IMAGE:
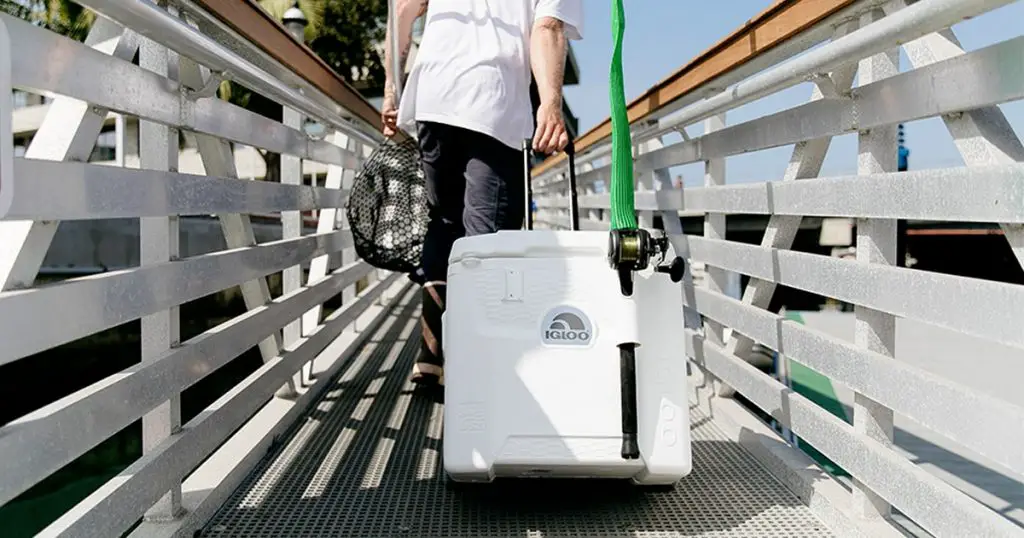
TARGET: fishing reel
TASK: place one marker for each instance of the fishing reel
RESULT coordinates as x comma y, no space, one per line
631,250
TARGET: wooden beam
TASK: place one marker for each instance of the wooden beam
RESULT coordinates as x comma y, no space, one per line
256,25
780,22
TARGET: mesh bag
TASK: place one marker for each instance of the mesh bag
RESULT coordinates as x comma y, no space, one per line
387,207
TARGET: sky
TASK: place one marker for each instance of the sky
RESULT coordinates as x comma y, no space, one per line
663,35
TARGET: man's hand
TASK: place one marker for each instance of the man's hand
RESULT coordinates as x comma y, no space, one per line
389,115
408,12
550,136
547,60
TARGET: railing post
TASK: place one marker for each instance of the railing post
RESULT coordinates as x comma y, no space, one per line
219,160
291,221
348,178
672,224
590,213
158,243
876,243
291,228
805,162
328,219
714,228
645,182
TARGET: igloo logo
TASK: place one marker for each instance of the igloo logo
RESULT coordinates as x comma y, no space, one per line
567,326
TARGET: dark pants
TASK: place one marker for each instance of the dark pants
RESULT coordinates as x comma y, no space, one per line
474,186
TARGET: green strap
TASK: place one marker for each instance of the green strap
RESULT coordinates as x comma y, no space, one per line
622,205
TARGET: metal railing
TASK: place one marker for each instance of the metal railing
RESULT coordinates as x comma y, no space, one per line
186,469
963,89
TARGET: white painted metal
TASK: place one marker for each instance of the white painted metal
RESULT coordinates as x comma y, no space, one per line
54,183
87,301
221,32
805,162
974,420
80,191
714,228
68,133
142,93
665,119
6,134
291,224
985,193
347,179
645,184
941,509
218,160
996,308
59,184
112,508
327,220
54,435
983,72
920,19
982,135
146,17
159,239
964,89
876,244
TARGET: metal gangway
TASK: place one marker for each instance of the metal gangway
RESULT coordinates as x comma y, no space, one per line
327,437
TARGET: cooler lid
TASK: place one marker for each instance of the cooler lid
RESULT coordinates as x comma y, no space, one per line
531,244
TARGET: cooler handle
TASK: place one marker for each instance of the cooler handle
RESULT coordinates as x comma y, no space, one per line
574,208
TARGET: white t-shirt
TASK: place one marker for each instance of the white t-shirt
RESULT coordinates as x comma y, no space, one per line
472,68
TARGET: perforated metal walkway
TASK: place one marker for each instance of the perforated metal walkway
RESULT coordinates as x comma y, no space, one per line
365,462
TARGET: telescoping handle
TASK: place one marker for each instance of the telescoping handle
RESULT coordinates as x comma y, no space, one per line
527,185
574,208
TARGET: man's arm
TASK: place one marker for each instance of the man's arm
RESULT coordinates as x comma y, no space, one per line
408,11
548,47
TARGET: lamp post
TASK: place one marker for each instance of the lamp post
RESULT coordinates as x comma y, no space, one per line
295,22
396,62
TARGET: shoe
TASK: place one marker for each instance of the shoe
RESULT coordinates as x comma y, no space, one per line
424,373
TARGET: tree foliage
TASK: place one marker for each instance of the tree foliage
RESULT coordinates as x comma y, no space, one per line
60,16
348,41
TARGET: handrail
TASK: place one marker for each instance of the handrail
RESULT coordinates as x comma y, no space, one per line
964,89
910,23
778,24
148,19
169,91
255,25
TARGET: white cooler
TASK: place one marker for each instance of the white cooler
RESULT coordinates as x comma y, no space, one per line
532,367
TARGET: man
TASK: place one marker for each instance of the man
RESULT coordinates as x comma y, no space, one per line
468,99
